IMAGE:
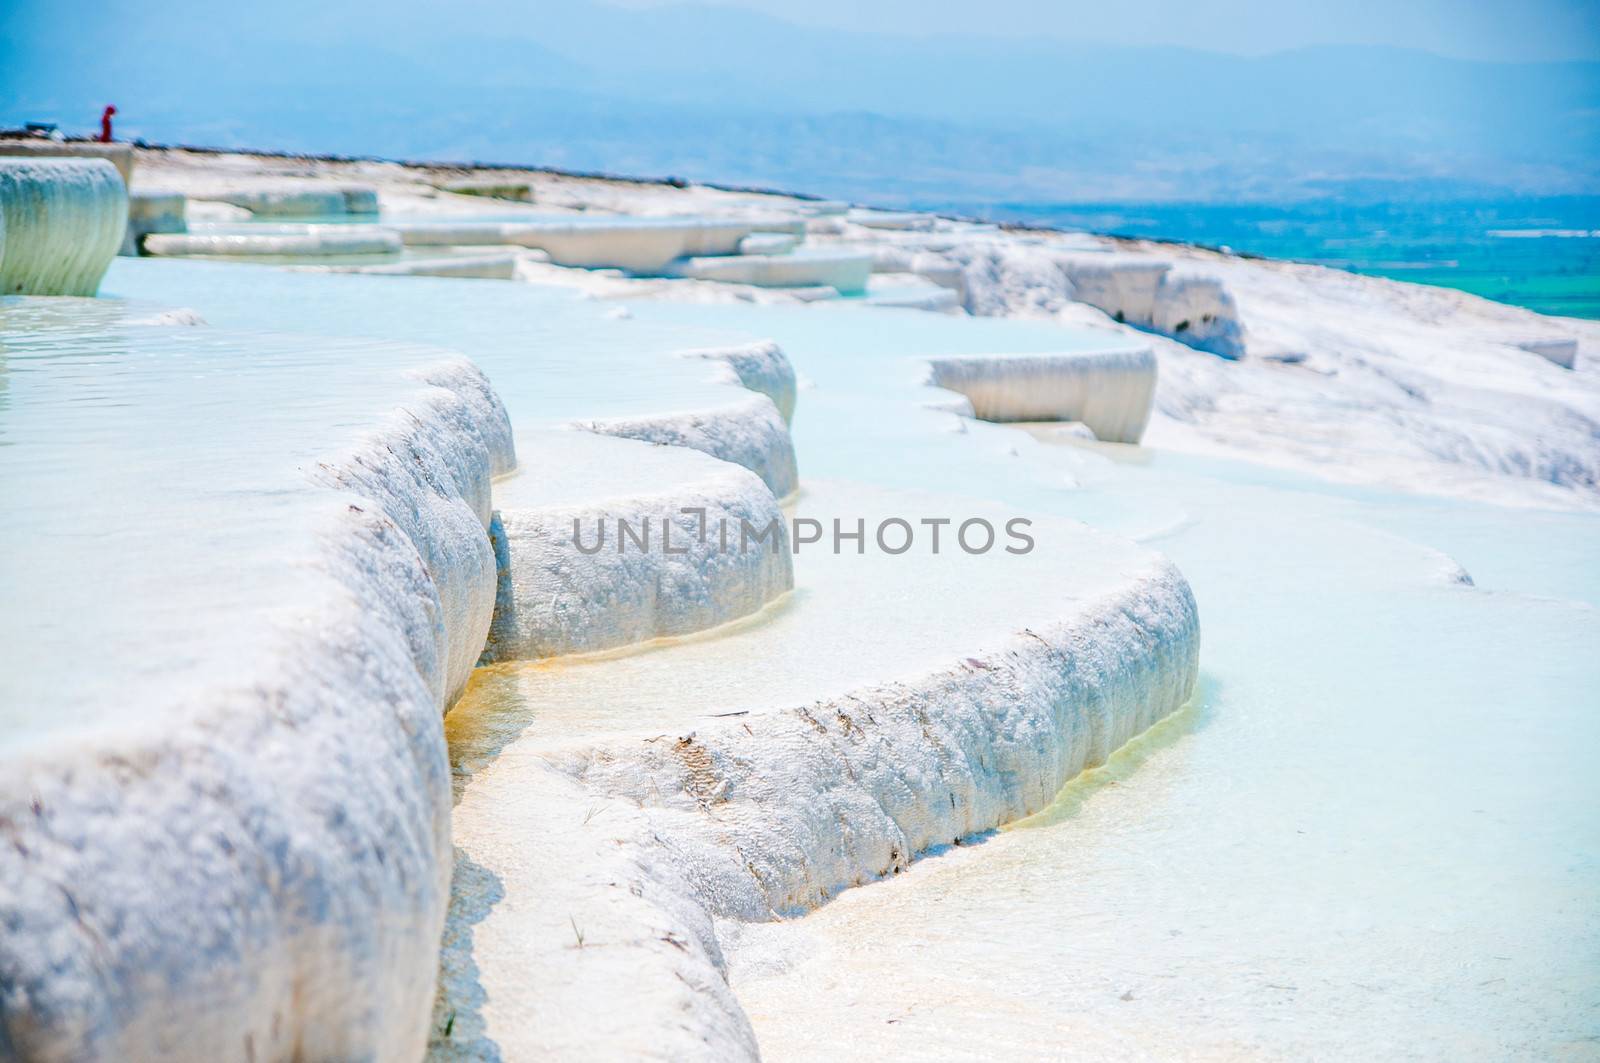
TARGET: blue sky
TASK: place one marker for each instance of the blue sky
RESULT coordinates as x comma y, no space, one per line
1464,29
893,100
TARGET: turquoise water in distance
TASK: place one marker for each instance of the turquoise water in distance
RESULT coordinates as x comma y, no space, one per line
1527,252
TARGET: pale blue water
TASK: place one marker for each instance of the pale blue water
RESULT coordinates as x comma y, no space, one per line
157,523
553,355
1377,834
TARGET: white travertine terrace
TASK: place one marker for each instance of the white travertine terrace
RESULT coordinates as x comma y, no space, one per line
229,838
682,785
319,240
119,155
649,394
768,244
901,221
63,221
613,808
516,191
761,367
928,265
1124,286
492,266
375,921
912,292
555,598
845,271
1197,310
299,199
640,245
467,233
1109,391
747,431
1001,277
153,212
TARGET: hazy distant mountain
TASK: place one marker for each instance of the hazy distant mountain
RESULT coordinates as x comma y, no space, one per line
721,94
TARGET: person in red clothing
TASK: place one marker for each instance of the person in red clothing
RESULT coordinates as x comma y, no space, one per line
105,124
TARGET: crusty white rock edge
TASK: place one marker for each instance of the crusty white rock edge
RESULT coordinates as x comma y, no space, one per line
640,245
826,796
153,212
761,366
1110,391
348,240
772,813
264,873
555,598
747,431
302,199
732,462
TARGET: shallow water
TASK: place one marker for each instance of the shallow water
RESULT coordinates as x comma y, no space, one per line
552,355
1374,834
858,616
157,520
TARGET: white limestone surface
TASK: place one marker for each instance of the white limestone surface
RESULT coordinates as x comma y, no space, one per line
929,265
1359,379
317,240
118,155
768,244
1261,875
890,219
459,233
153,212
910,292
639,245
761,367
1124,286
294,199
844,271
1109,391
747,431
1026,275
602,542
1354,378
493,266
898,701
517,191
225,789
63,221
1198,310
